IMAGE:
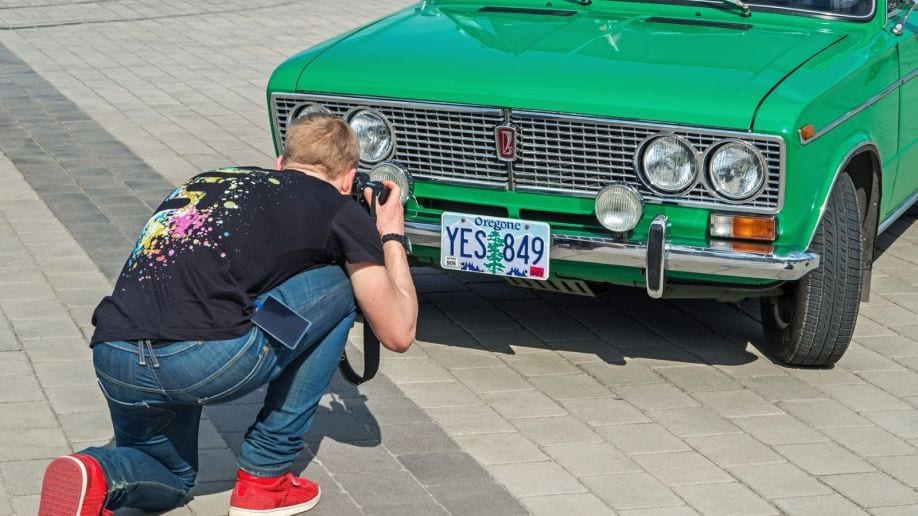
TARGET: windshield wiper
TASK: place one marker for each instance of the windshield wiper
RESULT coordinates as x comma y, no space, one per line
746,11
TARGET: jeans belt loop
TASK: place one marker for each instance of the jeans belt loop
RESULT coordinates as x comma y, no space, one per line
153,359
141,359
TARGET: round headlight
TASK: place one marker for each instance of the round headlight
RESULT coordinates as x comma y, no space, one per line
619,207
736,170
669,164
373,133
396,173
306,109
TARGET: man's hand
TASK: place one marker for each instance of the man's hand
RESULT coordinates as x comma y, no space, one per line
390,217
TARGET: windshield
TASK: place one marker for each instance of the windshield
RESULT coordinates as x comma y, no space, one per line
846,8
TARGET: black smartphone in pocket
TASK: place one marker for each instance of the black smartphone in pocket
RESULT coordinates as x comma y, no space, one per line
280,321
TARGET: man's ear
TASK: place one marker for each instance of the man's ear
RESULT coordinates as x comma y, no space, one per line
347,181
279,164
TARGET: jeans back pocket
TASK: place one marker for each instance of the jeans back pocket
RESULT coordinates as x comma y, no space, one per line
256,376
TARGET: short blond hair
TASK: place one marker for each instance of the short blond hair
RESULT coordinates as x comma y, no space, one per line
323,141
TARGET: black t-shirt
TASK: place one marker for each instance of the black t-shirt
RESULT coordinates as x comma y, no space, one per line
220,240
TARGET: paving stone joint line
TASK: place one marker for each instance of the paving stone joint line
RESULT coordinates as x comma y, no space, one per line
59,4
69,23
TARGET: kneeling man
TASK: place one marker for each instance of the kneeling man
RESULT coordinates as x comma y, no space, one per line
177,333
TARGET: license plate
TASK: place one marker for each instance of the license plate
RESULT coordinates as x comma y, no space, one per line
493,245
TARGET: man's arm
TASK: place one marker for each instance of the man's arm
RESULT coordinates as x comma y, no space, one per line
386,294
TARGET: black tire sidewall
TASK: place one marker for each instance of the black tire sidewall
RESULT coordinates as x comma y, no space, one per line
823,304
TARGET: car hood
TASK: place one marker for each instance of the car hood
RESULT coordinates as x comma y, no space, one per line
622,64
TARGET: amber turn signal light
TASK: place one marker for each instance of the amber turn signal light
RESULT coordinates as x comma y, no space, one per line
743,227
807,132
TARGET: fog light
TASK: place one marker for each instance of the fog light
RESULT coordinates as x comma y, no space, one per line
398,174
619,207
743,227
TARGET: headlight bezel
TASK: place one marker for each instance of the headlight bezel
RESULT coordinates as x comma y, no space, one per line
353,112
297,111
641,150
708,171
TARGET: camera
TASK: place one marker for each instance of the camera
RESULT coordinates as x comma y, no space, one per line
380,192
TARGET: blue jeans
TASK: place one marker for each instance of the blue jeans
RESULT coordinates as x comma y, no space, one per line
155,395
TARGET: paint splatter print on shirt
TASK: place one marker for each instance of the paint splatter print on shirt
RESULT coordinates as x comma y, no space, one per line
220,240
196,215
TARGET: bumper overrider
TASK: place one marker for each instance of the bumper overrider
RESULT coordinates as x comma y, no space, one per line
657,256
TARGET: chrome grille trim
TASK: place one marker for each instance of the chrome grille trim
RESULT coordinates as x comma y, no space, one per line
558,153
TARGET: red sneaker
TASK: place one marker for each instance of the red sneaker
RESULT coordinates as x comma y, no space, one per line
74,485
285,495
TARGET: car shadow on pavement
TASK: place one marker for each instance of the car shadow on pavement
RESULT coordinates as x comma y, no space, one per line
894,232
618,326
621,325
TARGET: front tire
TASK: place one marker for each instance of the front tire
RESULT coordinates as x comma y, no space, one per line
811,324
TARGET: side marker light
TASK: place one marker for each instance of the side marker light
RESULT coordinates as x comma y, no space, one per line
807,132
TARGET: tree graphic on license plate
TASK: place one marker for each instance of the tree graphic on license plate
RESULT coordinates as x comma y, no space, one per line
495,256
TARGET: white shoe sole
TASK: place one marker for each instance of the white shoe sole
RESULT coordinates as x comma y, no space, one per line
284,511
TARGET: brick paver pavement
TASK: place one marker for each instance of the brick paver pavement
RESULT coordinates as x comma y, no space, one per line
511,401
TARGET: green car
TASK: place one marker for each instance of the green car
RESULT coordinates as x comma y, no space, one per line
693,148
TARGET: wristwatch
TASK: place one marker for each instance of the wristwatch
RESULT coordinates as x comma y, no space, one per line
402,239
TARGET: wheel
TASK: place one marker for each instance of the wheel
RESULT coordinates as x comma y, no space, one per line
812,322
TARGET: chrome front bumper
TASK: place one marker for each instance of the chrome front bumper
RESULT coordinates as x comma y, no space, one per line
658,256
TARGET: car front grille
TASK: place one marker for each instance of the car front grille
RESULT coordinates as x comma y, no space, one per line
437,142
557,153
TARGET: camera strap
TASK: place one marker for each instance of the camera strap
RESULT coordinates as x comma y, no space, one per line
370,341
370,359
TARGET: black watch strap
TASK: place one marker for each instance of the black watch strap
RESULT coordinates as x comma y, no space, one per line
402,239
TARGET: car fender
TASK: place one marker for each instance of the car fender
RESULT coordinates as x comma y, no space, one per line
853,145
846,100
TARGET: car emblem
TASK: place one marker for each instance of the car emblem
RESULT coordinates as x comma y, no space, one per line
505,138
